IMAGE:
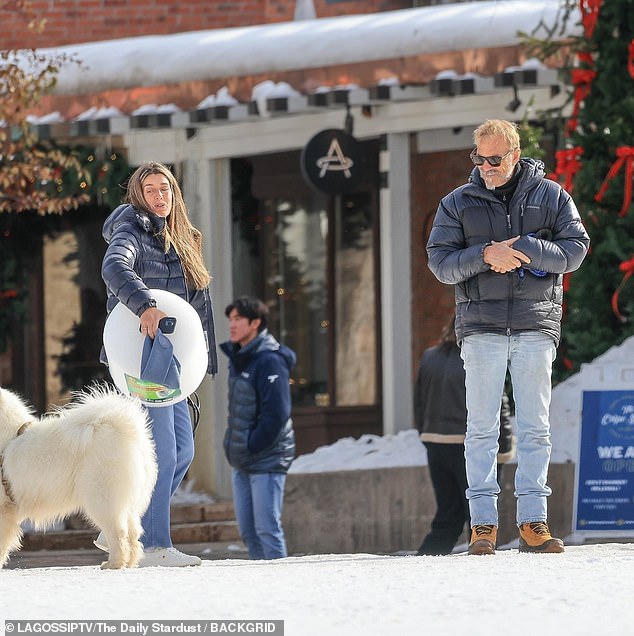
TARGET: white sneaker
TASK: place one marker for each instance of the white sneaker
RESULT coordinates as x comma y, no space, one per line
101,543
167,557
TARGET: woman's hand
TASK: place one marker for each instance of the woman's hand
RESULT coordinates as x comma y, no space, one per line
150,320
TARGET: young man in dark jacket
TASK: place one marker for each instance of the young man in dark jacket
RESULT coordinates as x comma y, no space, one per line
259,441
504,240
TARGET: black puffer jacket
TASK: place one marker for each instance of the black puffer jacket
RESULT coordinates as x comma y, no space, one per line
440,405
440,410
471,216
135,262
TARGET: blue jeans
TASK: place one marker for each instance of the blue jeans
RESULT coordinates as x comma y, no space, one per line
174,441
529,357
257,498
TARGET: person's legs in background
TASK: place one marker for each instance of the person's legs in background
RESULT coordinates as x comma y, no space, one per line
267,491
243,504
449,480
499,471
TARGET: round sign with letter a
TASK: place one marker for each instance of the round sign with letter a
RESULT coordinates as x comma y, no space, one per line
332,161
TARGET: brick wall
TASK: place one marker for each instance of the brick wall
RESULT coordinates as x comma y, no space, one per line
75,21
433,176
326,8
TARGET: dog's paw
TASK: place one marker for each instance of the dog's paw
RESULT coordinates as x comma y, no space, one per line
112,565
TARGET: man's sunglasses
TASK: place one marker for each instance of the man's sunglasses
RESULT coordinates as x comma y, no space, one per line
494,161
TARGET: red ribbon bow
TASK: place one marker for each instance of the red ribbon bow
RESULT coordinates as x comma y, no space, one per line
625,155
627,267
582,79
589,15
568,165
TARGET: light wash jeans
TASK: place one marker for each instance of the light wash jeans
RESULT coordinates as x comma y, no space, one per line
257,498
528,356
174,441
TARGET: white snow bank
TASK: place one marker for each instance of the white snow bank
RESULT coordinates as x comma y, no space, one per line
369,451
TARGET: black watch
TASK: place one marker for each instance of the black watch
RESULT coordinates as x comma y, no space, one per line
147,305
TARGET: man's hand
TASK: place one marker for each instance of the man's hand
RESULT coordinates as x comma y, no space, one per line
502,257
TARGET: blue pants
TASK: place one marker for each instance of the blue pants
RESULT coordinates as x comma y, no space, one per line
528,356
174,441
257,498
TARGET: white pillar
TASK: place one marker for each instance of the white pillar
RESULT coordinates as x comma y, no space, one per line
396,284
208,183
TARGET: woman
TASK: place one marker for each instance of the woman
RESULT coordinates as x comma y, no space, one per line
153,245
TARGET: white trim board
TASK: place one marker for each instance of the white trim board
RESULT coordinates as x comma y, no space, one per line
293,131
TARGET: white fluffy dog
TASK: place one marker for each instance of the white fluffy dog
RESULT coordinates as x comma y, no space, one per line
95,456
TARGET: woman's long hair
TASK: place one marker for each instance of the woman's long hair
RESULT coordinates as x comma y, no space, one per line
179,232
447,338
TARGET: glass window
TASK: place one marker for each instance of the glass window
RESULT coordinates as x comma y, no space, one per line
355,302
312,259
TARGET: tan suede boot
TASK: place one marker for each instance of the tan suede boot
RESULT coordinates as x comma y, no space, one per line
483,539
536,537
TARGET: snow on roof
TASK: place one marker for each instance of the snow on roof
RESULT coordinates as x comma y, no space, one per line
270,48
270,98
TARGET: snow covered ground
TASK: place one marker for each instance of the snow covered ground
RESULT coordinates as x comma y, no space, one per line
586,591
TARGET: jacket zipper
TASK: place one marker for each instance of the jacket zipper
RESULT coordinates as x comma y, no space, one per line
509,278
520,271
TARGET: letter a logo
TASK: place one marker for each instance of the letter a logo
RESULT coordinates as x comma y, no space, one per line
335,160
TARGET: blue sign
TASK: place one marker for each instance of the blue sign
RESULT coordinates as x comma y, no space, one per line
605,473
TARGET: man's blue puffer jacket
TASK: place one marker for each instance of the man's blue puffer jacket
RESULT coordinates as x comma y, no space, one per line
259,436
135,262
471,216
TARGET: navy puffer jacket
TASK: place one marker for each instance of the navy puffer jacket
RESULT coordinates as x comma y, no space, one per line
135,262
471,216
259,436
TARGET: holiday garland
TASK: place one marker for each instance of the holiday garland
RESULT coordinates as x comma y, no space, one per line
21,233
597,163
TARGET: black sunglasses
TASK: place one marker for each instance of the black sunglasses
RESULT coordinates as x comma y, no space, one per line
494,161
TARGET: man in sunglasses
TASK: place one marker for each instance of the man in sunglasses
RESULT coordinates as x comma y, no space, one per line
505,239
